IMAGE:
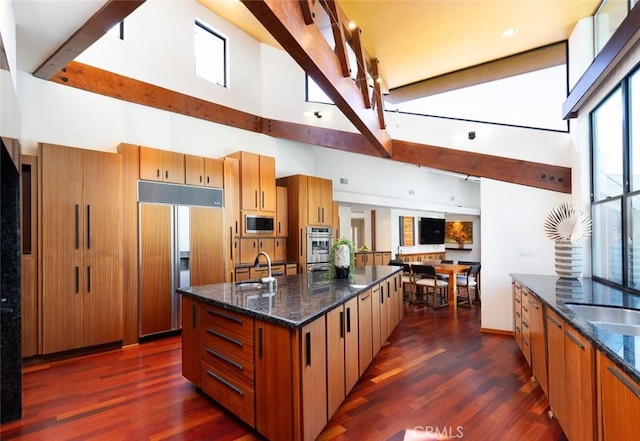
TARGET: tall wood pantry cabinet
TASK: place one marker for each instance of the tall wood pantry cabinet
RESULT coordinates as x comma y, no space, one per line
81,248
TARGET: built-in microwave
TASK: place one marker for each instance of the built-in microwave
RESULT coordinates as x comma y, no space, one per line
257,224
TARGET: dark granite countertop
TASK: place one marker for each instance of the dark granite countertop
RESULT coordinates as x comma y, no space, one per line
297,300
555,292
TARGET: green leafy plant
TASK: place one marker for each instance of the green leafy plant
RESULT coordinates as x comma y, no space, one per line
332,256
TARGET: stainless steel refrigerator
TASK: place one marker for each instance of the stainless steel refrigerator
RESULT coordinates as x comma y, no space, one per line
180,245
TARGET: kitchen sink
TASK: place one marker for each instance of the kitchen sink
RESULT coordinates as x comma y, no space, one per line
250,285
617,320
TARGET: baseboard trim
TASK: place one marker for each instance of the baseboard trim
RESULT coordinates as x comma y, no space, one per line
496,331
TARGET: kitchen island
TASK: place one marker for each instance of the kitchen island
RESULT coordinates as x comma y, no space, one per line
283,359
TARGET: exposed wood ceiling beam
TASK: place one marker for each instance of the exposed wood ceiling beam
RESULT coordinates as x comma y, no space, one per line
547,56
113,85
111,13
532,174
285,21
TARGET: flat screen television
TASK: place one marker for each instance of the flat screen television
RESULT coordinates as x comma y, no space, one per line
431,231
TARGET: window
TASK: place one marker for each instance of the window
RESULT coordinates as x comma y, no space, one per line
210,49
615,176
314,93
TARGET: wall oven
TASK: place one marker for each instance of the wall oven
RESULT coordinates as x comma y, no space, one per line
319,241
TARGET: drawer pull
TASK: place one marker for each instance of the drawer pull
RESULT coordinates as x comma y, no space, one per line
349,320
554,321
533,304
365,297
226,359
308,346
624,381
226,383
341,324
574,339
224,316
225,337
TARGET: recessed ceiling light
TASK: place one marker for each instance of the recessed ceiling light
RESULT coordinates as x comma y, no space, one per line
509,33
352,25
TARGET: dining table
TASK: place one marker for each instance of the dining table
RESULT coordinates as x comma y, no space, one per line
452,270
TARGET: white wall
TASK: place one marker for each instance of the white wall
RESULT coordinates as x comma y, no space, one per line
512,242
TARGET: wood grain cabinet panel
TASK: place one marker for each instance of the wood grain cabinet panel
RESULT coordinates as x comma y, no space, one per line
313,346
538,343
282,212
555,348
207,247
365,330
191,369
161,165
280,253
620,402
319,201
207,172
257,182
82,230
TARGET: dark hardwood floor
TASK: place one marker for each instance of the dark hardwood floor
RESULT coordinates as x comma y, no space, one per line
436,371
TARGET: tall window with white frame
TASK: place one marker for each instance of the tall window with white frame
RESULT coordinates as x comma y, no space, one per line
615,180
210,54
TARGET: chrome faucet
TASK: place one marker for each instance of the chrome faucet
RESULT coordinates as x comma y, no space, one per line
269,279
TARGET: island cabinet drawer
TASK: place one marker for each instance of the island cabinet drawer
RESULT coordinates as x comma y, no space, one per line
227,331
237,395
229,364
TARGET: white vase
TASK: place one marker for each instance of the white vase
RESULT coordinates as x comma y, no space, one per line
568,259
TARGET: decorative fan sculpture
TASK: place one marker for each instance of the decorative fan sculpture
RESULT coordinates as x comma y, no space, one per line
568,226
566,222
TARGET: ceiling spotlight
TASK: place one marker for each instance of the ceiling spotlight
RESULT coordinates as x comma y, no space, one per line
352,25
509,33
317,114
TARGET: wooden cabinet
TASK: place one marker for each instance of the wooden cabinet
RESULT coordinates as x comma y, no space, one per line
619,398
206,246
342,353
369,258
538,343
282,212
365,330
571,390
81,248
206,172
257,182
313,349
280,253
336,221
250,247
517,313
228,370
191,341
291,367
319,201
161,165
231,175
579,363
420,257
555,349
526,329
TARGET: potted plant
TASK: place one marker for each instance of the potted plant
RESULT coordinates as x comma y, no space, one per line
342,258
568,226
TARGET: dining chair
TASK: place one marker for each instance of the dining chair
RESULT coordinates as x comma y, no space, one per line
408,284
466,283
435,291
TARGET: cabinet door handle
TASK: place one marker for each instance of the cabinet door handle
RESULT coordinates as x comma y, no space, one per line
300,242
389,289
574,339
260,343
341,324
279,228
208,179
77,226
365,297
382,295
554,321
225,316
225,382
624,381
262,200
77,279
201,179
349,319
308,345
158,173
255,197
166,174
231,340
194,310
88,227
322,214
230,243
88,280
